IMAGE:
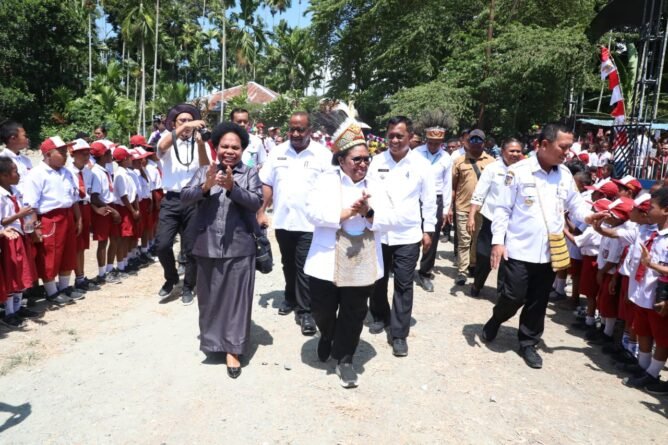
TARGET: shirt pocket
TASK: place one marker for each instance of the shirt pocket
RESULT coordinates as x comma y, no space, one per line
528,196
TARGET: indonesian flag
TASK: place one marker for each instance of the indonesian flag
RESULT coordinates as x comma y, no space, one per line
609,71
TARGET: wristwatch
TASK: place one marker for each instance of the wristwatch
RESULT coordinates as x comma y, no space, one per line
369,214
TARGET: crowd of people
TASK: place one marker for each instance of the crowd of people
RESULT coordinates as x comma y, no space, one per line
348,212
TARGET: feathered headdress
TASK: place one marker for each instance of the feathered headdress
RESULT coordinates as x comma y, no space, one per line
337,120
434,124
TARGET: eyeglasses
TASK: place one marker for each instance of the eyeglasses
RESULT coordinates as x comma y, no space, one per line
359,159
297,129
476,140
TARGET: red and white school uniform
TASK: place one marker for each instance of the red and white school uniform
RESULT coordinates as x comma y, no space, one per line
589,243
643,283
154,175
124,185
18,264
52,193
84,181
138,224
610,251
626,310
102,184
22,162
145,201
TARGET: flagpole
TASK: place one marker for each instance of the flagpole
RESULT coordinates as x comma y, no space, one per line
658,82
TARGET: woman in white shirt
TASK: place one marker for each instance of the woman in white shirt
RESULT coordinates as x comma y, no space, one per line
345,258
484,200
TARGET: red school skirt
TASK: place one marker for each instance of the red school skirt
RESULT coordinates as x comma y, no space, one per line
18,266
606,301
126,228
648,323
588,285
626,307
55,253
83,239
146,212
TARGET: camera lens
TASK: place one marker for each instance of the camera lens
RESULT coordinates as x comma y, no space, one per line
205,133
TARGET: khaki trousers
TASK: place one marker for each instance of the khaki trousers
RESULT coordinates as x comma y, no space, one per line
466,250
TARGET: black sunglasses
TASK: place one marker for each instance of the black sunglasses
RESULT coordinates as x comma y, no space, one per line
359,159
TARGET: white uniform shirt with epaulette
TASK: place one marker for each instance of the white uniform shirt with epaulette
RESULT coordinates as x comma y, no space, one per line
291,175
102,184
441,165
531,206
408,188
489,187
87,178
124,185
47,189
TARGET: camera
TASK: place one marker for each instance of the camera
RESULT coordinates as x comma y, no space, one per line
205,133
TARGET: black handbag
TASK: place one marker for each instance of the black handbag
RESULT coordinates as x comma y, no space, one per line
264,259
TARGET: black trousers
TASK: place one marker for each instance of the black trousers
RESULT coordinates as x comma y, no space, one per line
339,313
401,260
294,248
173,219
527,286
483,254
429,258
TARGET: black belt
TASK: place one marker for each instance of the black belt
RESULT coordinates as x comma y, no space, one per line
172,195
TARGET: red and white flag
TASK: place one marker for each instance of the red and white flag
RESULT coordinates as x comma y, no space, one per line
609,71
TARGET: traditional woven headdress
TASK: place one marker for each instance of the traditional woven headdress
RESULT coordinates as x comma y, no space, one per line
346,131
434,124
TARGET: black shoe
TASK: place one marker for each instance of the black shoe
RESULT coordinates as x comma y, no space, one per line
600,339
12,322
99,281
122,275
324,349
376,327
166,291
129,270
347,375
424,282
399,347
187,297
460,280
490,330
112,277
73,294
531,357
658,389
233,372
308,324
475,292
641,381
631,368
59,299
87,284
286,308
24,312
625,357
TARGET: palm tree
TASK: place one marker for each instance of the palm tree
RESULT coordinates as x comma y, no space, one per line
155,55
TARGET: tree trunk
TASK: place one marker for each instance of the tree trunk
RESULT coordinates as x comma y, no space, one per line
155,57
142,99
488,60
90,50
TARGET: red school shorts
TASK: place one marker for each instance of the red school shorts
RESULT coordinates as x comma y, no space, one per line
588,285
625,306
157,195
146,211
18,264
55,253
83,239
606,302
648,323
126,228
101,226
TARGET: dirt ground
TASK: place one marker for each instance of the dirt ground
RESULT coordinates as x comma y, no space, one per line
120,368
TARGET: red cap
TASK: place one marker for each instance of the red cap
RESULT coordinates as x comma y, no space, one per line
140,153
584,157
121,154
642,202
53,143
99,148
629,182
601,205
621,208
138,141
607,187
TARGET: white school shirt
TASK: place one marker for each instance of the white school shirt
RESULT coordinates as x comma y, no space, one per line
643,292
153,174
176,174
408,189
100,183
610,251
441,166
22,162
603,158
7,207
291,176
589,242
255,154
143,188
489,187
593,160
332,192
626,234
124,185
88,181
518,220
46,189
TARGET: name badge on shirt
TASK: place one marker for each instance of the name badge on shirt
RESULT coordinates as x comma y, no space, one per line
281,158
510,176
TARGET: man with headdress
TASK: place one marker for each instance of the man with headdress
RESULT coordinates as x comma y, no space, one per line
182,151
441,166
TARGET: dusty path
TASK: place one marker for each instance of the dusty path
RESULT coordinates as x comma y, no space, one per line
120,368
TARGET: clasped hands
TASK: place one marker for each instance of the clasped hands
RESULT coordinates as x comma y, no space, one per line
359,207
217,177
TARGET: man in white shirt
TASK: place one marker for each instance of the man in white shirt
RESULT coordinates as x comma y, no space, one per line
531,207
182,151
441,167
256,153
405,180
14,138
287,177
